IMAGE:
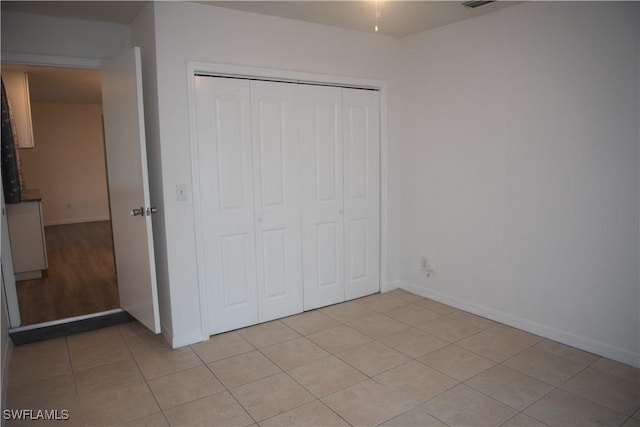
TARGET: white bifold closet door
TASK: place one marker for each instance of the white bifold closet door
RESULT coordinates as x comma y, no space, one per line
361,135
322,195
340,140
288,197
249,185
276,184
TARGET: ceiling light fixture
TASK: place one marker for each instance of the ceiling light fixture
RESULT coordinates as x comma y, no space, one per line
378,14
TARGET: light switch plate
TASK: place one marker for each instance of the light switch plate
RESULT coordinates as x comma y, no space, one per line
181,192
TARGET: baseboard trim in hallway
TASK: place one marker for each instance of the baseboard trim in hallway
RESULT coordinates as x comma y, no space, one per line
71,326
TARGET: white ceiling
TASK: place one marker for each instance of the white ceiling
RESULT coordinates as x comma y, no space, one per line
398,18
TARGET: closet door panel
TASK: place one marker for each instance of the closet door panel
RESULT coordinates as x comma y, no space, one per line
322,180
361,135
226,201
276,166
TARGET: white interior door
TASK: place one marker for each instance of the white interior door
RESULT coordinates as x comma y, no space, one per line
361,135
223,115
129,187
320,111
276,179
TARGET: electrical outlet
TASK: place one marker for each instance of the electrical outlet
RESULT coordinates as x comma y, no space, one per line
425,266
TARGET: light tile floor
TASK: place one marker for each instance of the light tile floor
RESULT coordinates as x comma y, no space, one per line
388,359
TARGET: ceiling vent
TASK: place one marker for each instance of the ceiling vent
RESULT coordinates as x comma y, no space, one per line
474,4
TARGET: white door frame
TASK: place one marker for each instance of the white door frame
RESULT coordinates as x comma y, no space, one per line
61,62
229,70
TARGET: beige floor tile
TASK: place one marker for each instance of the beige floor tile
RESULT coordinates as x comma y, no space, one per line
416,381
99,354
522,420
294,353
143,341
220,409
608,390
383,302
155,420
222,346
509,386
310,322
435,306
412,314
456,362
418,416
271,396
377,326
244,368
618,369
472,319
38,361
561,409
449,329
118,405
567,352
99,336
544,366
310,415
120,374
413,343
339,339
46,393
326,376
348,312
373,358
165,361
367,403
631,422
405,295
498,346
268,333
184,386
463,406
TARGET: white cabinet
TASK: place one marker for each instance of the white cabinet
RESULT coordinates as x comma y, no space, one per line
26,234
17,88
288,197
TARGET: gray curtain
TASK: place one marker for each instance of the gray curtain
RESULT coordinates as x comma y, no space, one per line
10,160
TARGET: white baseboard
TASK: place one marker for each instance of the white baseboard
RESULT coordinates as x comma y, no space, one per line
77,220
564,337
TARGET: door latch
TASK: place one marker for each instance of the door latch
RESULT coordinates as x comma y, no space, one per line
144,211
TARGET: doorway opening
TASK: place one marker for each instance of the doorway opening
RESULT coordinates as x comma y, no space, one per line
67,166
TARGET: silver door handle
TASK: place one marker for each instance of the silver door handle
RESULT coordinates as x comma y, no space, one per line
152,210
138,211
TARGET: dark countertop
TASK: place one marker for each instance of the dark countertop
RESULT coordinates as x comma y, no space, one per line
31,195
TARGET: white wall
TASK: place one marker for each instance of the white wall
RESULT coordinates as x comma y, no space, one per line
42,35
67,164
521,178
232,37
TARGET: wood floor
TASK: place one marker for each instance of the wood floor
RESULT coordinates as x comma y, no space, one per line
81,277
